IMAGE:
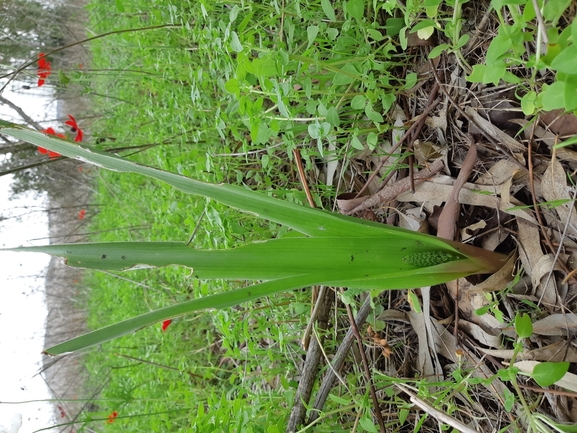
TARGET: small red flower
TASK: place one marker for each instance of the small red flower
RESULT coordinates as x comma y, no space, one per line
50,154
44,69
166,324
112,417
51,131
81,214
44,151
74,128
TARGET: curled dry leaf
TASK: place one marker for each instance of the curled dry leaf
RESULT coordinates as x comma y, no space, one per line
556,324
534,263
471,297
505,139
480,335
554,187
413,219
530,251
472,230
426,151
348,201
436,191
549,138
559,123
428,362
557,352
501,279
540,276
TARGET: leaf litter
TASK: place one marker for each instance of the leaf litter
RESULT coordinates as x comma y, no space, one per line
511,200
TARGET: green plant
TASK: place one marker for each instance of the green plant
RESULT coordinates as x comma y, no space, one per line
450,25
544,373
554,50
330,249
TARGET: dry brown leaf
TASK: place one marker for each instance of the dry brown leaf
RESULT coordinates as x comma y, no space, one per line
426,151
479,334
436,191
390,315
564,125
347,201
472,230
530,251
513,145
437,121
556,324
498,353
501,172
556,352
554,187
501,279
549,138
471,297
428,367
540,274
492,240
413,219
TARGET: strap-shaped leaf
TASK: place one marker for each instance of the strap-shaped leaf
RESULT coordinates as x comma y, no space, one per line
339,250
312,222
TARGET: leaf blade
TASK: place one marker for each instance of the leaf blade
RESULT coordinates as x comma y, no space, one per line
312,222
218,301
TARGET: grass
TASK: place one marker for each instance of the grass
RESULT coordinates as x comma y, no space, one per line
226,95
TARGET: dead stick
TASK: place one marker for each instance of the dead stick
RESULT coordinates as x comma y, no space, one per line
320,314
392,191
368,375
448,219
301,170
310,368
338,361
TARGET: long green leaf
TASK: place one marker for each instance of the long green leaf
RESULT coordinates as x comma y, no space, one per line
356,263
339,251
218,301
312,222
